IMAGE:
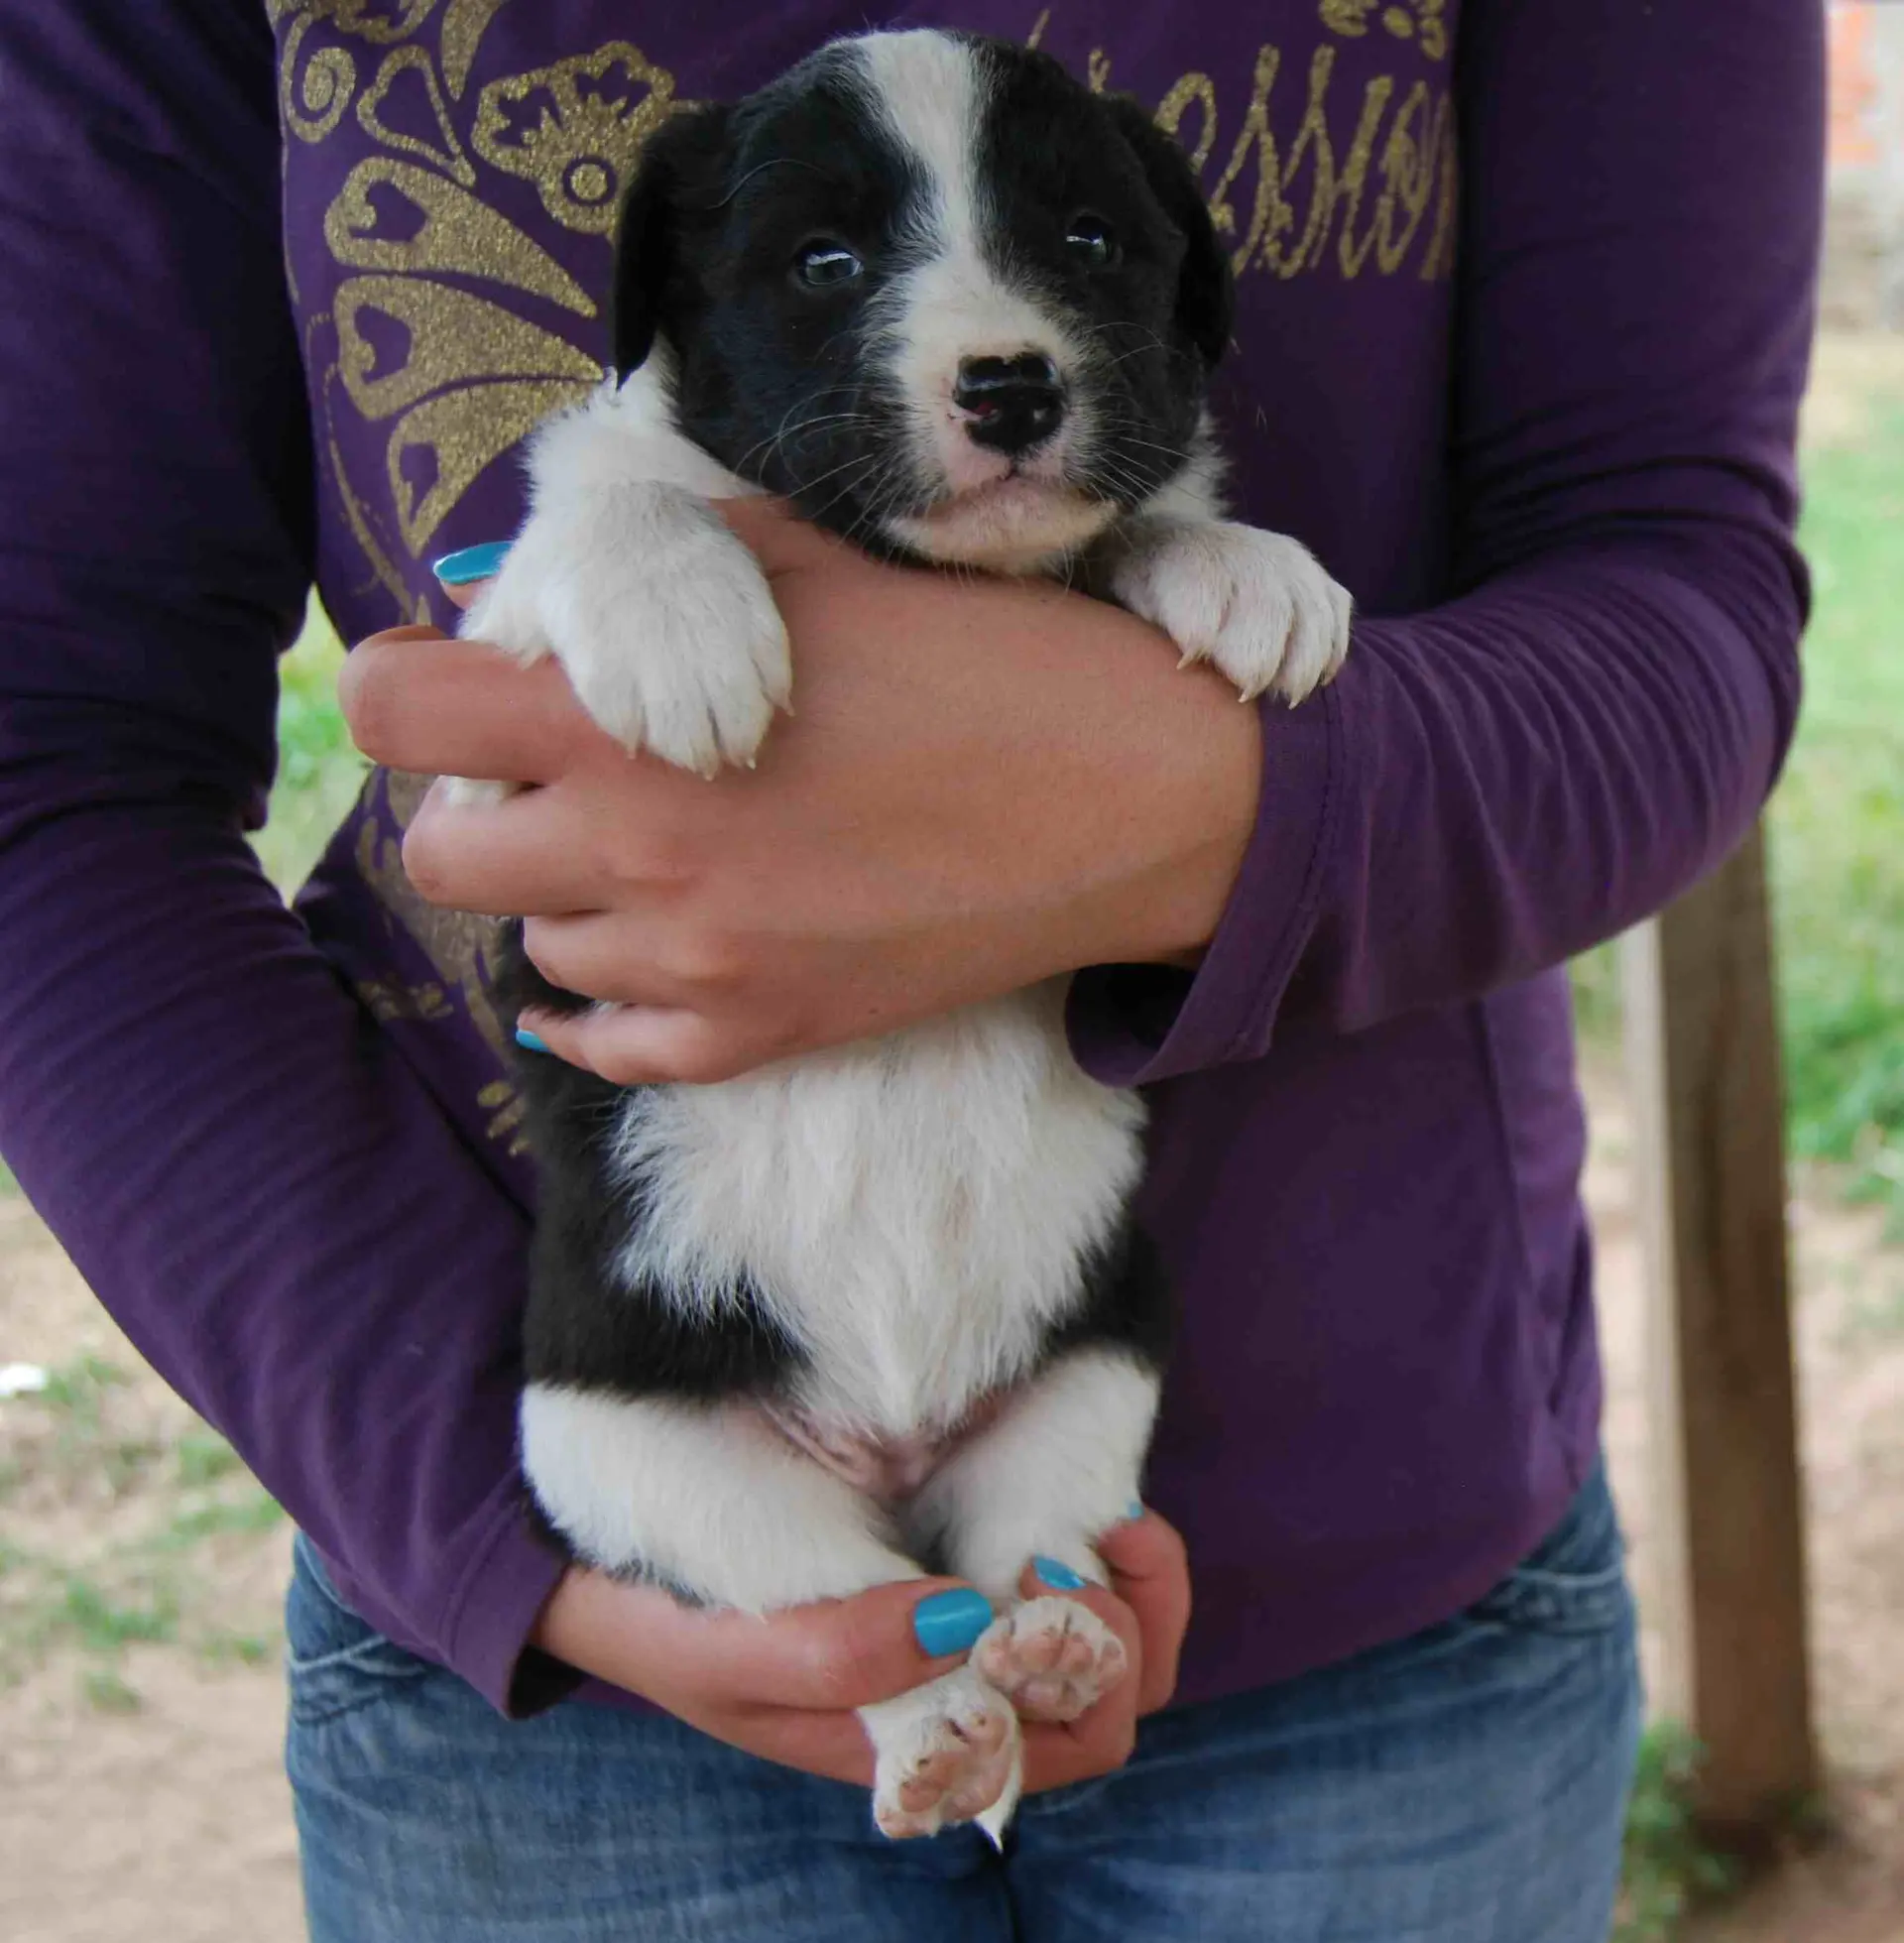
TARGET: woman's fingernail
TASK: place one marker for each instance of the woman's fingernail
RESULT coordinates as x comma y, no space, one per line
1134,1510
1059,1577
458,570
529,1042
950,1621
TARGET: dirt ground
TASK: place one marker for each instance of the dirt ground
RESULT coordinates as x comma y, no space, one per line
141,1795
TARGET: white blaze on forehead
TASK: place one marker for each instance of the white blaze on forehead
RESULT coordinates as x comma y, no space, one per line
932,92
931,97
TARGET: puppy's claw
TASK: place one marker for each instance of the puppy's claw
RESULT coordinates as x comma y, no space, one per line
1258,605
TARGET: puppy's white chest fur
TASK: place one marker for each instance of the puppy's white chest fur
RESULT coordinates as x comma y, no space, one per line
912,1211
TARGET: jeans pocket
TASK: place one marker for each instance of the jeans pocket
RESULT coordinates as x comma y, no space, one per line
1574,1580
334,1661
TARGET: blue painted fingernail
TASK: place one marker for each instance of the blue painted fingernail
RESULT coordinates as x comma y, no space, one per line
458,570
529,1040
1061,1577
950,1621
1134,1510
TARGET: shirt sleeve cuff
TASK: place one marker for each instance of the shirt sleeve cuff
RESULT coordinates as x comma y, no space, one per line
1133,1024
495,1610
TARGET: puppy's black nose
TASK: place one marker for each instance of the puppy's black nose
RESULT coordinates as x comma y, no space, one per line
1014,403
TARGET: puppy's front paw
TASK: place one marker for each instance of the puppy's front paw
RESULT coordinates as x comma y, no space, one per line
946,1752
1052,1658
1256,604
662,619
689,661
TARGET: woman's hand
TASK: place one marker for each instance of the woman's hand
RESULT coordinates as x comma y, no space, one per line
785,1688
985,784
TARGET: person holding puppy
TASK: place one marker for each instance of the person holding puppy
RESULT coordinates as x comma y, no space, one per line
1519,340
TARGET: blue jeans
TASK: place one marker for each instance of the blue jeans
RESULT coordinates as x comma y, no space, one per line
1466,1786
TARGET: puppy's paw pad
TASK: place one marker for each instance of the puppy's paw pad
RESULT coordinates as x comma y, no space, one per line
949,1766
1054,1658
1257,605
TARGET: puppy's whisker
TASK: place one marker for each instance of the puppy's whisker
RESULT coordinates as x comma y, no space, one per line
1174,454
1122,482
776,442
858,462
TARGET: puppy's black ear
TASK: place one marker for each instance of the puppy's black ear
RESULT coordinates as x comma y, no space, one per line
679,182
1206,289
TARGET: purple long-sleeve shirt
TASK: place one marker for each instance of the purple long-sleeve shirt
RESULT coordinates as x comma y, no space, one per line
1525,293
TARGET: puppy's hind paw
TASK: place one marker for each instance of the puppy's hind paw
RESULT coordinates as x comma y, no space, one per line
1054,1659
946,1752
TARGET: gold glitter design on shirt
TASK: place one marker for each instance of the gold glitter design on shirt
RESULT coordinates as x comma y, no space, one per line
1268,209
1201,89
1312,193
446,152
464,29
453,337
458,235
457,944
1418,152
382,22
460,434
575,129
506,1109
1423,23
313,103
357,516
388,1000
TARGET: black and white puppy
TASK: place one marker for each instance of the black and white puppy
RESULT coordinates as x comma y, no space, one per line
804,1332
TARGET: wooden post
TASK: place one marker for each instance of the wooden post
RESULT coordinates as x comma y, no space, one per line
1702,1041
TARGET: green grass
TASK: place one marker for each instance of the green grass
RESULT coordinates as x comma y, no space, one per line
76,1400
1837,832
226,1648
202,1457
1666,1870
106,1691
1838,827
318,771
76,1391
146,1581
252,1514
99,1623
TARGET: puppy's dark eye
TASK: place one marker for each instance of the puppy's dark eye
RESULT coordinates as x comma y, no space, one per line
825,265
1090,240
